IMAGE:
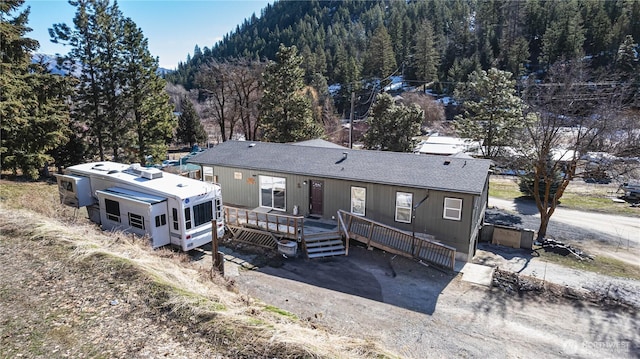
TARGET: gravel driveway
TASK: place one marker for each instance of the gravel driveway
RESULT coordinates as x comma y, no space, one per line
420,312
573,224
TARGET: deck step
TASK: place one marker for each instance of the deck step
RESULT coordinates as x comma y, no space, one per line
325,244
332,242
327,254
321,236
325,249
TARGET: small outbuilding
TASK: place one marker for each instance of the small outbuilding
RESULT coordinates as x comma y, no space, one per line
444,197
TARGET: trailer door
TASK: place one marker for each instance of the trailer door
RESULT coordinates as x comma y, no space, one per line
160,225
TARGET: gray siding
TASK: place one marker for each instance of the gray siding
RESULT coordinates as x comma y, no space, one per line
380,202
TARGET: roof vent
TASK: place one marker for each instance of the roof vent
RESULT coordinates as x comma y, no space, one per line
446,163
150,173
252,145
344,157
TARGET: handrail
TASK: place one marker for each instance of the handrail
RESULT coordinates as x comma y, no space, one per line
393,240
284,224
345,231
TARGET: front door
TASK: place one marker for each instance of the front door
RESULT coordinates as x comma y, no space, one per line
317,194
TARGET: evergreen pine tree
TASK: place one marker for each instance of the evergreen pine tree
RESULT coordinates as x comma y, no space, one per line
564,36
286,114
425,54
148,102
33,105
87,58
190,129
491,110
392,127
380,59
527,184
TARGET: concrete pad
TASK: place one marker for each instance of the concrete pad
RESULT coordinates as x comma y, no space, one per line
231,269
477,274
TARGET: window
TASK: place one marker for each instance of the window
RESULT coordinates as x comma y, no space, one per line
404,201
452,208
202,213
273,192
66,185
113,210
207,174
174,213
358,200
136,220
187,218
161,220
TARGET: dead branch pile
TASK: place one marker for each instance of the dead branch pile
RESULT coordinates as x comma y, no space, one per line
516,284
563,249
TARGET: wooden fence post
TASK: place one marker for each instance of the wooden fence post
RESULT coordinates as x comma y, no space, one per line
218,257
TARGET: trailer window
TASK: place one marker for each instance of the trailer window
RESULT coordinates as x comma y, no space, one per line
202,213
113,210
161,220
174,212
187,218
66,185
136,220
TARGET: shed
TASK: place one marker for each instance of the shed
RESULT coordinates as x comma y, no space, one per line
441,196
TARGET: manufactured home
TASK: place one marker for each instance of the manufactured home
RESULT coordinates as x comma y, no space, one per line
443,197
168,208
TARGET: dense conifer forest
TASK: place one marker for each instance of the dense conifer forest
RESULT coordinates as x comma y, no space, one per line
433,42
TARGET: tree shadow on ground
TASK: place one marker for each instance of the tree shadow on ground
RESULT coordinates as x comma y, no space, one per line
526,206
502,218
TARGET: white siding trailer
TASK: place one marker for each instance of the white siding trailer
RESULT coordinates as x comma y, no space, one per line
168,208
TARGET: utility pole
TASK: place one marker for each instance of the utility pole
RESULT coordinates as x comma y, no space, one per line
353,100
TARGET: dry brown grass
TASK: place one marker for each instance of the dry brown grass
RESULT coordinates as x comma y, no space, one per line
69,289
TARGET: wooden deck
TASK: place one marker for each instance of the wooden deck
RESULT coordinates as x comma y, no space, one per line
316,236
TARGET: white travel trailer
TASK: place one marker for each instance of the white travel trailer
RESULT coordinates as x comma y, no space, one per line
170,209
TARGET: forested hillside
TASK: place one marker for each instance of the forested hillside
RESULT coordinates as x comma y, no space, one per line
436,42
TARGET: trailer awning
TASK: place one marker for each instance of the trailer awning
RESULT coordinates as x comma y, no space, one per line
143,198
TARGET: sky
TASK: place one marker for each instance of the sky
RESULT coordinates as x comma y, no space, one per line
173,27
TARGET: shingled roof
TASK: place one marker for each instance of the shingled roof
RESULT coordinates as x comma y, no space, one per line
393,168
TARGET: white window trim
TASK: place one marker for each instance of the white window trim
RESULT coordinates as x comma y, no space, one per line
284,188
207,174
403,207
136,220
448,206
364,201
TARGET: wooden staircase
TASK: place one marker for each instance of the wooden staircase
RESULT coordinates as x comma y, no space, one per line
325,244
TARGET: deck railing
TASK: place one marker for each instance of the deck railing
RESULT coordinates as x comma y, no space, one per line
287,226
393,240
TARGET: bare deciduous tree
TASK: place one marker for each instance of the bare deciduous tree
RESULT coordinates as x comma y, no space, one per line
434,117
216,90
247,83
566,115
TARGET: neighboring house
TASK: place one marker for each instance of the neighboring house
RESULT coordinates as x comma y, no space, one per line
447,146
441,196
